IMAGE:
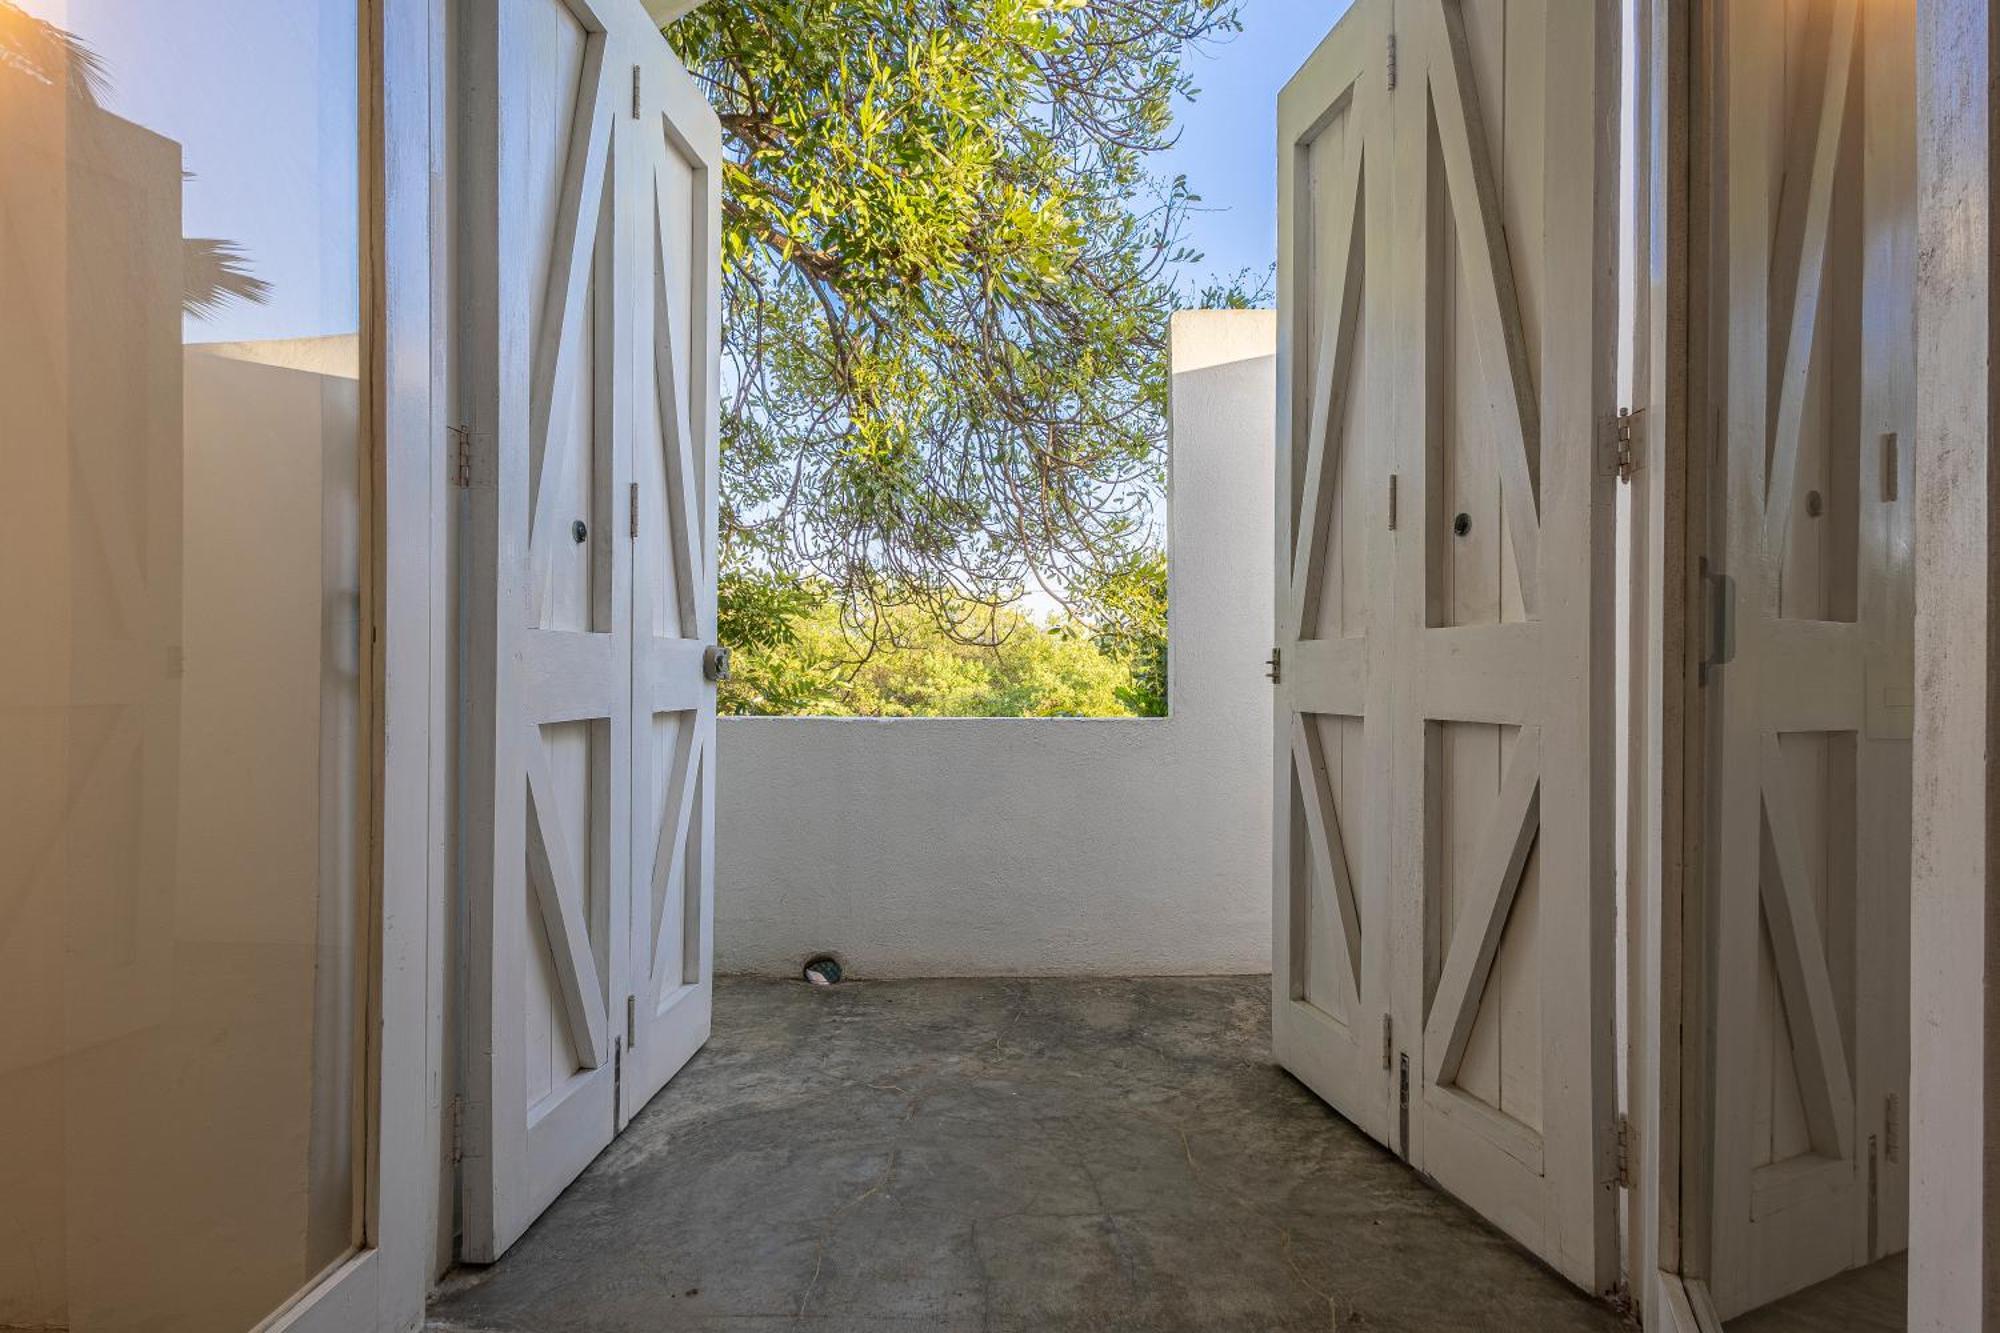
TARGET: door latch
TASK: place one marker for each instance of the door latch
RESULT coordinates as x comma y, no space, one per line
715,663
1721,648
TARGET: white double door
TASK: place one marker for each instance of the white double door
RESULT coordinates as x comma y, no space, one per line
589,214
1444,912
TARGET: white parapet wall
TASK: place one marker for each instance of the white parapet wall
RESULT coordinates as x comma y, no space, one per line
996,846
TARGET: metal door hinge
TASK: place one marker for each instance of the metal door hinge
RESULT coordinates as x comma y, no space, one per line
1403,1107
1627,441
1388,1041
1624,1152
1892,1129
617,1083
1274,666
632,1021
457,1130
635,92
1392,62
458,442
1392,502
632,510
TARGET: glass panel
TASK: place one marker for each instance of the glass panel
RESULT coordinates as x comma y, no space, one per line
181,733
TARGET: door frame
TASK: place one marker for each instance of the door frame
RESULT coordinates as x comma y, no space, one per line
1664,1236
382,1283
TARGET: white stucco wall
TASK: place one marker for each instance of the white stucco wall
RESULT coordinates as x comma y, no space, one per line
942,847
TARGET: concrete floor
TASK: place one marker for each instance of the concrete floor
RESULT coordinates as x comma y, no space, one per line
1864,1300
1034,1155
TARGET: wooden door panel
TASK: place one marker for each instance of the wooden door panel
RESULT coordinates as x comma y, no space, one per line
1483,1034
1336,418
673,156
590,591
1504,772
1445,266
1815,264
1329,756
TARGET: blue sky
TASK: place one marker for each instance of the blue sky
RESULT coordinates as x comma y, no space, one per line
259,95
1228,135
237,81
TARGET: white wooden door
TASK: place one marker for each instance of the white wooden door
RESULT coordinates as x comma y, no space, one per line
672,155
1331,918
568,106
1445,649
1812,712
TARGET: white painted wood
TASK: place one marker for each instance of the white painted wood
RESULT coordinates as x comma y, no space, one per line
1807,821
1330,912
666,11
673,154
585,367
382,1286
1460,643
1955,1233
1664,701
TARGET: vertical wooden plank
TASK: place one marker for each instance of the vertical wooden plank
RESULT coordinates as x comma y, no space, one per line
1522,156
1471,753
1885,532
1750,45
1575,950
1517,972
1955,1236
1516,985
1472,477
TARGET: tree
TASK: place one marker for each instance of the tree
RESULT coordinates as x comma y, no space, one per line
1056,669
1127,605
947,281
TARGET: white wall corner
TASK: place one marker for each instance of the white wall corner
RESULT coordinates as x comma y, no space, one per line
666,11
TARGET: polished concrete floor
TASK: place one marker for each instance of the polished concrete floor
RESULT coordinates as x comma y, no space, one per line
1001,1155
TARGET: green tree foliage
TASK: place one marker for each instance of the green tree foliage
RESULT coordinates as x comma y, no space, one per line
947,282
1127,605
816,667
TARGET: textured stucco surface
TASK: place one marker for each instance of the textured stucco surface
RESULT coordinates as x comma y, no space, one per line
1046,1155
937,847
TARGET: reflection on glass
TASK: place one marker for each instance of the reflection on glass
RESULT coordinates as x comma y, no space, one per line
181,755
